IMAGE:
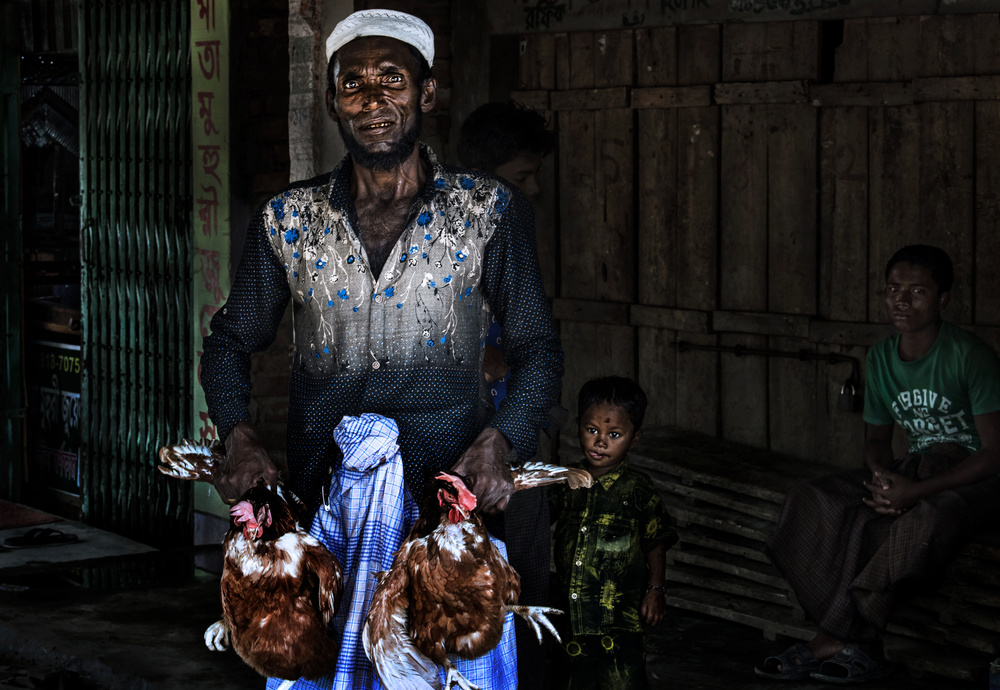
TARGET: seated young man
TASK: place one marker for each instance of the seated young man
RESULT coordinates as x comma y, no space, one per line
848,541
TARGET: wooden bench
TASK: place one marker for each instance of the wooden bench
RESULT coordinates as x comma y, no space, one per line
725,499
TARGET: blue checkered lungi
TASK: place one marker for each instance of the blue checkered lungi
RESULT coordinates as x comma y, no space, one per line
363,522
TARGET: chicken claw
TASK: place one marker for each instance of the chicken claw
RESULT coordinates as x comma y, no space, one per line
532,474
455,676
217,636
534,615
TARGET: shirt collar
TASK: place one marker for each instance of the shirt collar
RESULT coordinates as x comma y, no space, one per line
608,479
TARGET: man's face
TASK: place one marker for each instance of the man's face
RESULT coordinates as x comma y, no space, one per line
912,298
522,172
378,103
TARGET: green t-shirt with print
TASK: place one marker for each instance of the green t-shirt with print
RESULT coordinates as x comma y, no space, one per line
934,398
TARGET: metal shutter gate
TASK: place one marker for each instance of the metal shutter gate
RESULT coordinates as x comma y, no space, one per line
136,280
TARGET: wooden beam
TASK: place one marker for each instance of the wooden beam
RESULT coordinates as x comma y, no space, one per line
536,100
845,333
688,320
761,323
981,88
672,97
762,92
590,311
861,94
590,99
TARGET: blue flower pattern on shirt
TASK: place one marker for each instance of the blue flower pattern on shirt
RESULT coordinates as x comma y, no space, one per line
441,262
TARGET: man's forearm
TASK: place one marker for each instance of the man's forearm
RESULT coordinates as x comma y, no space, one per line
982,464
878,455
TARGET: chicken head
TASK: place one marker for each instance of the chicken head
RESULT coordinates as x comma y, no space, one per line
456,496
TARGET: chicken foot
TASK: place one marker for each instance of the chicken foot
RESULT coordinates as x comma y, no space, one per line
532,474
455,677
534,615
217,636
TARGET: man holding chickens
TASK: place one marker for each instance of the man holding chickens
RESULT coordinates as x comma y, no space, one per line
395,263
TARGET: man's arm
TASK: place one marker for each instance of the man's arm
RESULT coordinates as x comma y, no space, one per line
878,446
247,323
892,494
513,287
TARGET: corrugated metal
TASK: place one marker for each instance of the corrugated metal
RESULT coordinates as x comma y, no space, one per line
135,177
48,26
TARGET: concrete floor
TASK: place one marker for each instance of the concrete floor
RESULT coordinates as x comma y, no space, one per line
67,622
57,634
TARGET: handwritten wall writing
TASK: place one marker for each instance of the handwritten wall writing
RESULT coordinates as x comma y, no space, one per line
520,16
543,14
210,182
206,12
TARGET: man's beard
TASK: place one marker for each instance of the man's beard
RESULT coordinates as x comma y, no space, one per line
384,160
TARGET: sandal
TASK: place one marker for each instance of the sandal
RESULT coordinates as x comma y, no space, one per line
40,536
852,665
795,663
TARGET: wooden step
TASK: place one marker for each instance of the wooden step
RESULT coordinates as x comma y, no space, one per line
772,619
754,571
683,573
726,543
719,519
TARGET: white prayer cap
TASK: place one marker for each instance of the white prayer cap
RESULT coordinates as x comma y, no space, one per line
399,25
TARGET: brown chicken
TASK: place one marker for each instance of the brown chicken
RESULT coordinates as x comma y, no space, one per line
449,588
280,586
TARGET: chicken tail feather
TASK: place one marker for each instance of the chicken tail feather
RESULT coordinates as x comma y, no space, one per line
191,459
399,664
532,474
386,637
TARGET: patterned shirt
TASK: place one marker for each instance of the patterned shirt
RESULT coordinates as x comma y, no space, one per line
603,535
408,343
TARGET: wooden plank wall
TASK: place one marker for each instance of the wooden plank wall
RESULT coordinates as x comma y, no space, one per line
744,185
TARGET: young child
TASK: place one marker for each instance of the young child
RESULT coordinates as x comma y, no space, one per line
610,546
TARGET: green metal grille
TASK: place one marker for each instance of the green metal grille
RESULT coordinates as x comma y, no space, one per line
136,244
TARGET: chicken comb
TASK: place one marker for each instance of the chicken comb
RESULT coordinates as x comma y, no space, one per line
466,498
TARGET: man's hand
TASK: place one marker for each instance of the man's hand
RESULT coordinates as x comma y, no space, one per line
484,468
892,494
246,461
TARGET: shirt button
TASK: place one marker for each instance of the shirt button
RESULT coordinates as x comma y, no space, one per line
376,364
583,529
579,562
574,595
378,298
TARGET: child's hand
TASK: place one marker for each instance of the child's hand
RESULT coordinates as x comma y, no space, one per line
654,607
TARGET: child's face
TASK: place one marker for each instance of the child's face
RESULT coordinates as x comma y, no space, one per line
606,434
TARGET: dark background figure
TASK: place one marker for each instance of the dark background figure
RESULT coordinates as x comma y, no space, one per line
509,140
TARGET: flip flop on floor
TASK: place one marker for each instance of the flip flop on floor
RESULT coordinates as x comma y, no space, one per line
40,536
851,665
796,662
